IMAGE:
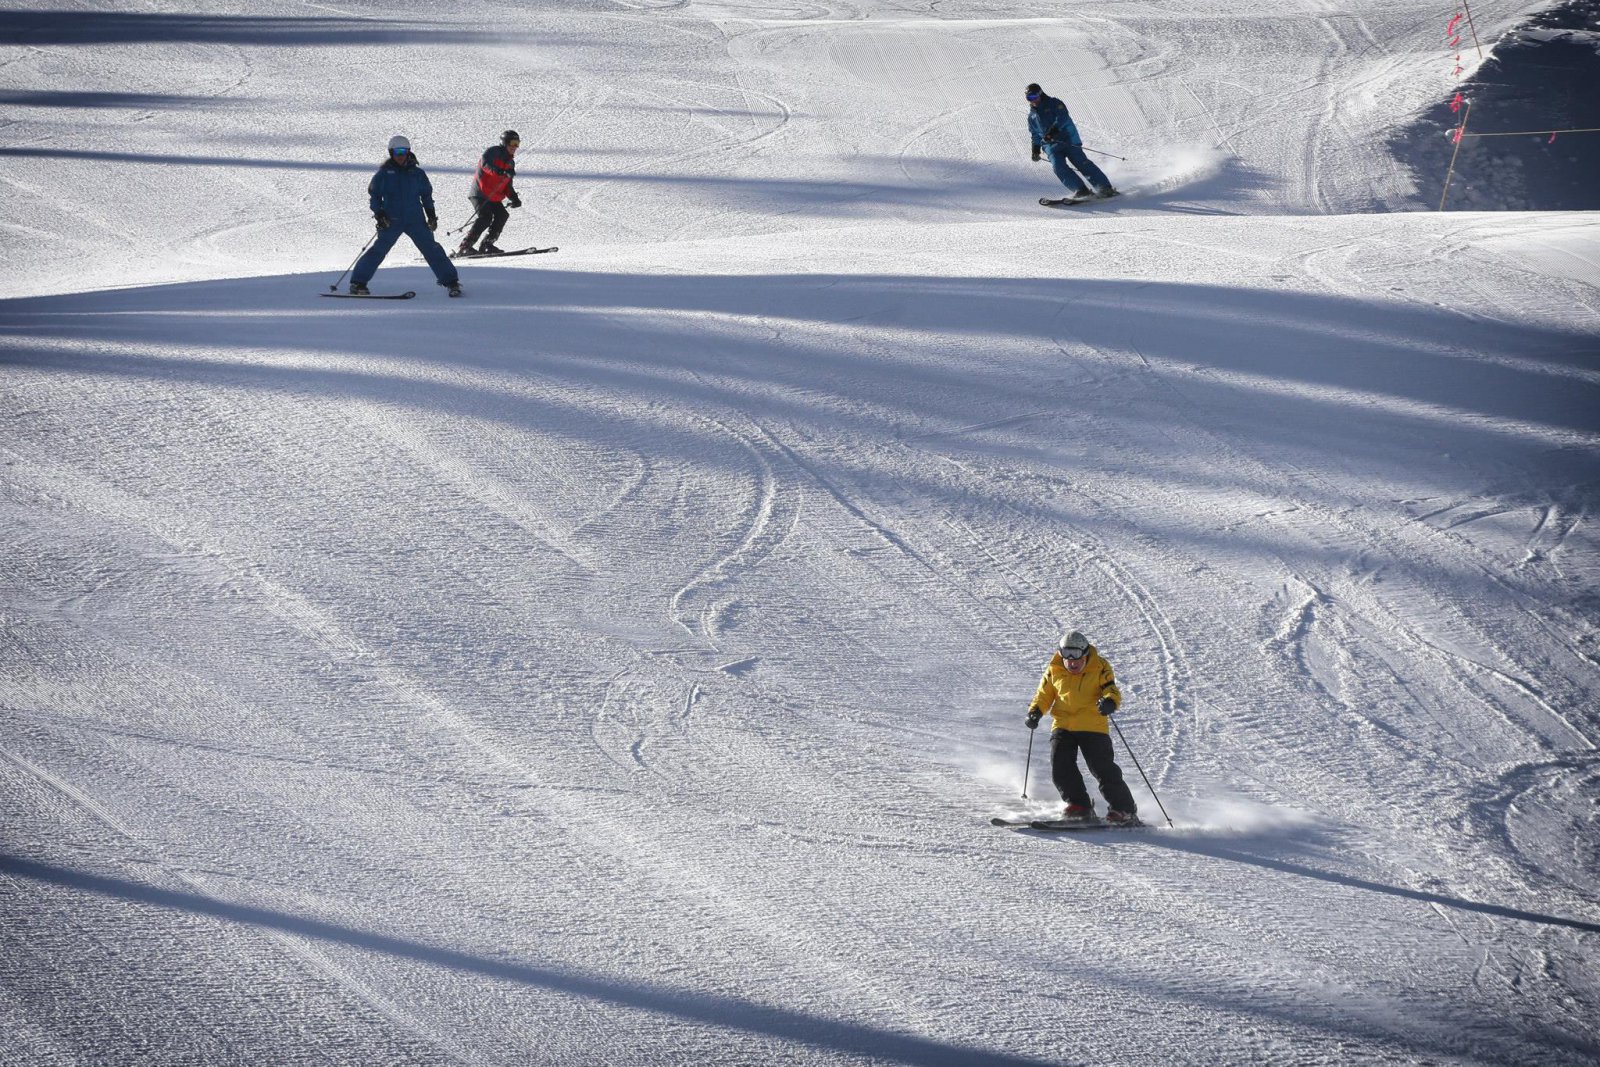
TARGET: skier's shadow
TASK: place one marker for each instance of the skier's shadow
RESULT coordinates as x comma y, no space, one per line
1227,849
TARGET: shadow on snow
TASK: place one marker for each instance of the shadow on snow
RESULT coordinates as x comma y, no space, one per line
230,162
42,27
1227,850
710,1009
1355,384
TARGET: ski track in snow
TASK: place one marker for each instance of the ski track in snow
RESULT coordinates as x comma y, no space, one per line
619,665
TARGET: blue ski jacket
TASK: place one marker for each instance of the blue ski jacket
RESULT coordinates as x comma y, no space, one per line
1049,120
402,191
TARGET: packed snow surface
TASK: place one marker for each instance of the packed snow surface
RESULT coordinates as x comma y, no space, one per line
621,664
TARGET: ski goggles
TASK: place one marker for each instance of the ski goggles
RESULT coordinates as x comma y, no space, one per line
401,150
1032,96
1074,655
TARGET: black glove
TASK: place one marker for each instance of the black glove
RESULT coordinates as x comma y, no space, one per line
1034,715
1036,153
1107,705
382,220
514,200
433,223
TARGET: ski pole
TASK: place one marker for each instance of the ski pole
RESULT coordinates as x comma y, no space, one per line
470,219
1135,759
334,288
1029,765
1097,152
1027,768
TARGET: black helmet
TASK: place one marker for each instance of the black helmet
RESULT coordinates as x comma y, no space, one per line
509,136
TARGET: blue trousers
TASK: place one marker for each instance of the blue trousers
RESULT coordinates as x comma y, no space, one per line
420,236
1061,154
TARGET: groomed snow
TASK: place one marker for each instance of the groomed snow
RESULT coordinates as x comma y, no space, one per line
620,665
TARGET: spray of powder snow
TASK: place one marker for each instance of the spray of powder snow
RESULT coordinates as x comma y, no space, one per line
1219,810
1173,168
1005,775
1212,808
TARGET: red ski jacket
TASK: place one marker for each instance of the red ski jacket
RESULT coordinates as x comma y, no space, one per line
495,172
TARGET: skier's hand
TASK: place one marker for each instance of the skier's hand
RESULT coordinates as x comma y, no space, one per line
433,223
514,200
1034,715
381,219
1037,154
1107,705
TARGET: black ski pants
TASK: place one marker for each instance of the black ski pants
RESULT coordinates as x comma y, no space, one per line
1098,754
491,216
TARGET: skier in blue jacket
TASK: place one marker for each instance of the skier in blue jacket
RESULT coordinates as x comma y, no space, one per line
1054,133
401,198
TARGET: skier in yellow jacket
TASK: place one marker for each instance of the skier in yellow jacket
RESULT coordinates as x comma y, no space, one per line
1080,692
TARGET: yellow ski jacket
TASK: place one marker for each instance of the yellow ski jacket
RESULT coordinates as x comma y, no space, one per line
1072,700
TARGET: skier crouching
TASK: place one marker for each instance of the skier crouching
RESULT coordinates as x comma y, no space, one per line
1080,692
401,199
1054,133
492,185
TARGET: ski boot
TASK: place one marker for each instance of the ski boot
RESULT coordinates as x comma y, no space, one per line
1078,813
465,249
1107,193
357,289
489,248
454,288
1122,818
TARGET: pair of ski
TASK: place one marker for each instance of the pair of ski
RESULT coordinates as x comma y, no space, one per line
529,251
1069,201
1067,825
407,295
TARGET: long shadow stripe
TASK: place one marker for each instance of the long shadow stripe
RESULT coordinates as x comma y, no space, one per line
705,1008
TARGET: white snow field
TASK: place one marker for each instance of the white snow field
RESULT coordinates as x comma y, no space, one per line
621,664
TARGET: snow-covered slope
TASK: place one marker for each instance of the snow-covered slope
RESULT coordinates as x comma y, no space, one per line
146,144
620,664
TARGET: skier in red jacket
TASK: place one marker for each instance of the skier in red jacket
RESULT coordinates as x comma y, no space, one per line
491,186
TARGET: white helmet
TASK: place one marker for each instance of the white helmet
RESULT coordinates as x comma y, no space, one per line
398,141
1074,643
